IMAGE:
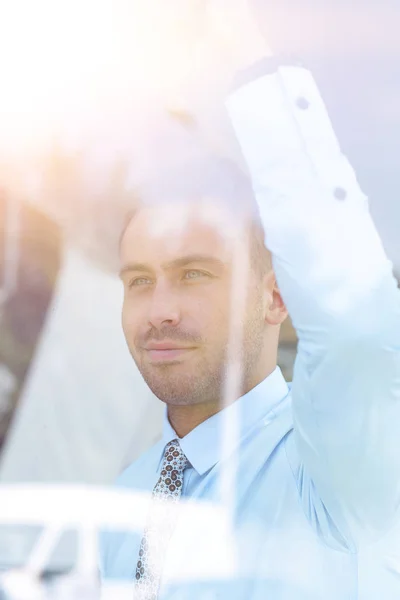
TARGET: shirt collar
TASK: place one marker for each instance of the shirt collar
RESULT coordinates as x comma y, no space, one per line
202,446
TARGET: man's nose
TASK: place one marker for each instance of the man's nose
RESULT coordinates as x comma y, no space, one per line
164,308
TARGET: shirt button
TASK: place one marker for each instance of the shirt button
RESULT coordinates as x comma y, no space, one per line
340,193
302,103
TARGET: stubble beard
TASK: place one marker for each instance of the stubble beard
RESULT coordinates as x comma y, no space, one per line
203,381
181,385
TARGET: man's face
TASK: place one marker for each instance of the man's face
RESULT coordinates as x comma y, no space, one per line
177,269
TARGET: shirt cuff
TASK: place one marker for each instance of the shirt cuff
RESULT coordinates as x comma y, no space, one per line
288,128
264,66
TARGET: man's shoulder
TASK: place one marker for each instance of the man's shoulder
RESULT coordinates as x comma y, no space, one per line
136,474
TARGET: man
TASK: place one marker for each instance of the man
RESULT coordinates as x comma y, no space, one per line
312,471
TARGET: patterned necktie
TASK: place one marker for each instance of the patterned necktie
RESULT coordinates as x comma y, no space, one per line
160,525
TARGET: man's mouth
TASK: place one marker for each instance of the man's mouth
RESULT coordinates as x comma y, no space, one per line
164,352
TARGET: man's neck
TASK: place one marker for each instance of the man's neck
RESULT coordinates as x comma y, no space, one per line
184,419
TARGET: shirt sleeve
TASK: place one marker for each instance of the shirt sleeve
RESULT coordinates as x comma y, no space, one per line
339,288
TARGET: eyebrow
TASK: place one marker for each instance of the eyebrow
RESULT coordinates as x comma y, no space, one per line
176,263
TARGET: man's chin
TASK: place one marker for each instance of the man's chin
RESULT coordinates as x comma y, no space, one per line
173,390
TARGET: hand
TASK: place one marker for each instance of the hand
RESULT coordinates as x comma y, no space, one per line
235,32
228,40
184,44
166,41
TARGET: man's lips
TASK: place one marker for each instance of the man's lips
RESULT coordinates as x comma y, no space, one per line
164,352
165,345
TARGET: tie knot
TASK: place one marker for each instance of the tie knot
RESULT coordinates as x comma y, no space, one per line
174,457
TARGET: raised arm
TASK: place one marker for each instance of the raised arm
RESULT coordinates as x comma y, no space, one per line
340,291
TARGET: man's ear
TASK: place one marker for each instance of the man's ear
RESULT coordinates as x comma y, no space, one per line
274,307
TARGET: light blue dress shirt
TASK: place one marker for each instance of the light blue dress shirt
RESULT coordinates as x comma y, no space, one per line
316,467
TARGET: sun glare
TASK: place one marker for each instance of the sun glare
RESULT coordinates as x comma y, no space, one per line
61,61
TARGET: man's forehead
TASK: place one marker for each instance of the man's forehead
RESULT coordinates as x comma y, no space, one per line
182,220
162,234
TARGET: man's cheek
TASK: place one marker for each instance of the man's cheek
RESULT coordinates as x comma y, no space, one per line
124,321
129,325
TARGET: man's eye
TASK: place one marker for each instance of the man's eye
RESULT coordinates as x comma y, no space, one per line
138,281
194,274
